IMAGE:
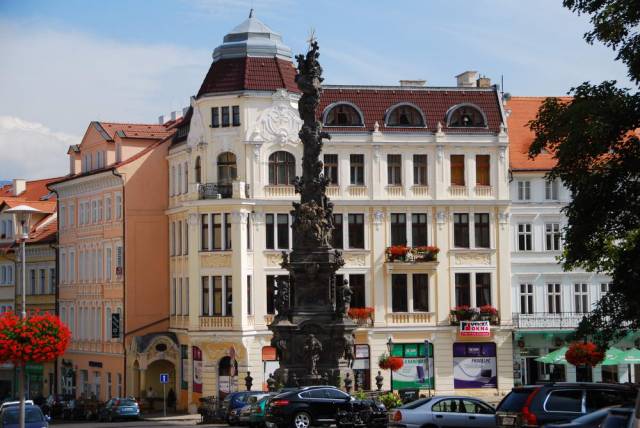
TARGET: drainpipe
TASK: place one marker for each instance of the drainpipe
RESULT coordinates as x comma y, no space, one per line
56,248
124,285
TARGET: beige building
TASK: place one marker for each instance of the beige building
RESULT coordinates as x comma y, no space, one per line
411,165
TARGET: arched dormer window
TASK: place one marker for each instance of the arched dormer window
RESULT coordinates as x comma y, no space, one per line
342,114
198,171
282,168
227,169
466,116
405,115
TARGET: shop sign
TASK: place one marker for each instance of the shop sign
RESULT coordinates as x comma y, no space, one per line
197,369
95,364
475,329
184,355
115,326
413,373
269,353
362,351
474,365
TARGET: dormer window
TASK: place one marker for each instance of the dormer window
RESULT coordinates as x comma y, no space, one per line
343,115
466,116
405,115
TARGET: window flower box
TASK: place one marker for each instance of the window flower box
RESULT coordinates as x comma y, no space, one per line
427,253
466,313
362,316
402,253
397,253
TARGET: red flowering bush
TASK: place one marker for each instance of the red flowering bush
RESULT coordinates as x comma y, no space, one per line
361,314
584,354
38,338
488,310
396,252
425,253
390,363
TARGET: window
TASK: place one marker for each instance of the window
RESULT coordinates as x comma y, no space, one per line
227,169
43,281
419,230
63,216
204,232
356,230
185,300
225,116
277,229
581,296
72,214
457,170
118,206
461,230
185,244
270,231
215,117
178,239
551,190
526,298
343,115
228,297
394,170
554,299
337,233
331,168
249,229
282,168
552,236
399,297
420,292
107,264
483,168
32,281
173,296
283,231
564,401
172,184
483,289
198,171
249,295
271,292
405,115
525,237
216,232
605,287
466,117
119,260
235,111
357,284
94,211
179,180
172,238
463,289
357,169
481,227
185,182
206,311
524,190
398,229
420,170
227,231
107,208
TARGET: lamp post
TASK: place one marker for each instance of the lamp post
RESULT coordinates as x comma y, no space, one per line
21,220
390,348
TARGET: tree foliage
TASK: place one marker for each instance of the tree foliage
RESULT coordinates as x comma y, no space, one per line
594,138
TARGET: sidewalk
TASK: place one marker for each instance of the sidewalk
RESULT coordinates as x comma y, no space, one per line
159,417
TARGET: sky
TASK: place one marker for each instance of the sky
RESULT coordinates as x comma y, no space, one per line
65,63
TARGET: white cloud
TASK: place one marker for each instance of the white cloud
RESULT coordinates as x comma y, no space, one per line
31,150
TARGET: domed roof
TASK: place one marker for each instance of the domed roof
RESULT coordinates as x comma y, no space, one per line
252,38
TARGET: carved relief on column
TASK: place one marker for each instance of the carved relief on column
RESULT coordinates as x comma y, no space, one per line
192,220
503,219
376,153
239,217
378,218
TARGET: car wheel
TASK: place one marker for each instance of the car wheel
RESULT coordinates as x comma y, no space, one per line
302,420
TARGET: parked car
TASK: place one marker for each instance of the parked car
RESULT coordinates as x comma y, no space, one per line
531,406
81,409
259,412
33,417
590,420
244,412
14,403
232,401
306,407
444,411
118,409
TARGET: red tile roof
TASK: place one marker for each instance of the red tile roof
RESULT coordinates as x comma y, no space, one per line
45,231
134,130
48,207
249,73
434,103
35,190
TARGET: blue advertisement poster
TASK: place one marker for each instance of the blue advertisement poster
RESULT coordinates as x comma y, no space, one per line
474,365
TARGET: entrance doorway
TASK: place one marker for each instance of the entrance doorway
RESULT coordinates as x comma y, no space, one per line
227,377
154,389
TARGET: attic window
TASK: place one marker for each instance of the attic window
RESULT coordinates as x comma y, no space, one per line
466,116
405,115
343,115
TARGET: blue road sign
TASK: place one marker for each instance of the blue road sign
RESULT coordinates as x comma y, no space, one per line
164,377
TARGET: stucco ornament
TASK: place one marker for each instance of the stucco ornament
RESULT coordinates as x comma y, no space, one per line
279,124
196,127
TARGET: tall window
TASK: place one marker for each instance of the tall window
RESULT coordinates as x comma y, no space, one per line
249,296
526,298
481,227
225,116
198,171
420,170
605,287
463,289
282,168
72,215
419,230
357,284
185,183
461,230
283,230
552,236
457,170
215,117
271,292
331,168
204,232
394,170
551,190
216,231
399,298
235,111
554,299
524,190
483,289
357,169
420,292
107,208
63,217
270,231
337,234
218,294
179,180
398,229
172,298
107,263
525,237
356,230
118,206
43,281
581,296
206,311
277,230
483,168
227,231
32,281
227,169
228,296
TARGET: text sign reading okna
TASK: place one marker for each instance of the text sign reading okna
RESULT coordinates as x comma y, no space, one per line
475,328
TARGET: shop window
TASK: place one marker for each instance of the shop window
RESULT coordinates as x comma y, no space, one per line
416,374
474,365
361,368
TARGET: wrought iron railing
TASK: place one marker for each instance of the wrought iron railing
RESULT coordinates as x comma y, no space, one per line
563,320
214,191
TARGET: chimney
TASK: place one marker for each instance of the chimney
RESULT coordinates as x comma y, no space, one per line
19,186
161,120
467,79
175,115
418,82
483,82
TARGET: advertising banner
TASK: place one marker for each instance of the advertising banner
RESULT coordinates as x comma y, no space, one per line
197,369
413,373
475,329
184,360
474,365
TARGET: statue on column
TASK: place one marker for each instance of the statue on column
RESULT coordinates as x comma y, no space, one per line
312,350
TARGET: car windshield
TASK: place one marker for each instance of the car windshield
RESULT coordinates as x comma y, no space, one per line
416,404
514,401
127,402
31,414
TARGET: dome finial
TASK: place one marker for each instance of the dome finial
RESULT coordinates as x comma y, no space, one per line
251,13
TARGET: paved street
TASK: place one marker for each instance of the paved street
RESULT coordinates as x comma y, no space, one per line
147,423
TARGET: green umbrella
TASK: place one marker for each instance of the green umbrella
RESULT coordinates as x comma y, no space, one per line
631,356
613,357
555,357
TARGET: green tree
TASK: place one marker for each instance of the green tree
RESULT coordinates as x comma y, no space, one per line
594,139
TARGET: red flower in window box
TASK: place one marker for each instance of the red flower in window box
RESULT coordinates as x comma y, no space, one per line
390,363
361,314
425,253
396,252
39,338
488,310
584,354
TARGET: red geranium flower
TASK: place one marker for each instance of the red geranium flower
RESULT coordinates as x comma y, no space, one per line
584,354
38,338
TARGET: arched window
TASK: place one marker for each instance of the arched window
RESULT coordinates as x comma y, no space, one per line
227,169
466,116
343,115
405,115
198,171
282,168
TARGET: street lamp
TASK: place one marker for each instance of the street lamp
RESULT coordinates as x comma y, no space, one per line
390,348
22,220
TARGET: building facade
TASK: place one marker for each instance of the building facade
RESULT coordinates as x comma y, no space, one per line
411,167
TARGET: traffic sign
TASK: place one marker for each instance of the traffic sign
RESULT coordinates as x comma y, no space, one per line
164,377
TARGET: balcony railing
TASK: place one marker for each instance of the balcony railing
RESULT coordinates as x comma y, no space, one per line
420,191
216,323
356,191
459,191
410,317
395,191
277,191
333,191
215,191
564,320
484,191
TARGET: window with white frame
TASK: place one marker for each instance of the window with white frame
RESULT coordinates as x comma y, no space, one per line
553,236
119,260
179,180
526,298
581,298
100,210
72,214
185,300
185,243
356,230
172,297
81,213
473,289
605,287
525,237
94,211
107,208
107,263
420,169
172,238
419,231
172,183
100,260
63,216
356,169
277,231
551,190
554,299
394,170
217,296
52,280
185,181
118,206
398,228
72,266
524,190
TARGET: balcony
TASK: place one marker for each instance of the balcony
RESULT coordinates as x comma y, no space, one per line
466,313
459,191
277,191
216,323
363,317
484,191
545,320
420,191
333,191
214,191
357,192
395,191
410,318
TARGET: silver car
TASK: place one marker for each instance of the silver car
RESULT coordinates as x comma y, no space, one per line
444,412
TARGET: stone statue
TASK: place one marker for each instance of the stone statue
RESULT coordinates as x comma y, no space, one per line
344,298
281,348
271,383
348,353
379,380
312,350
348,382
248,381
282,294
